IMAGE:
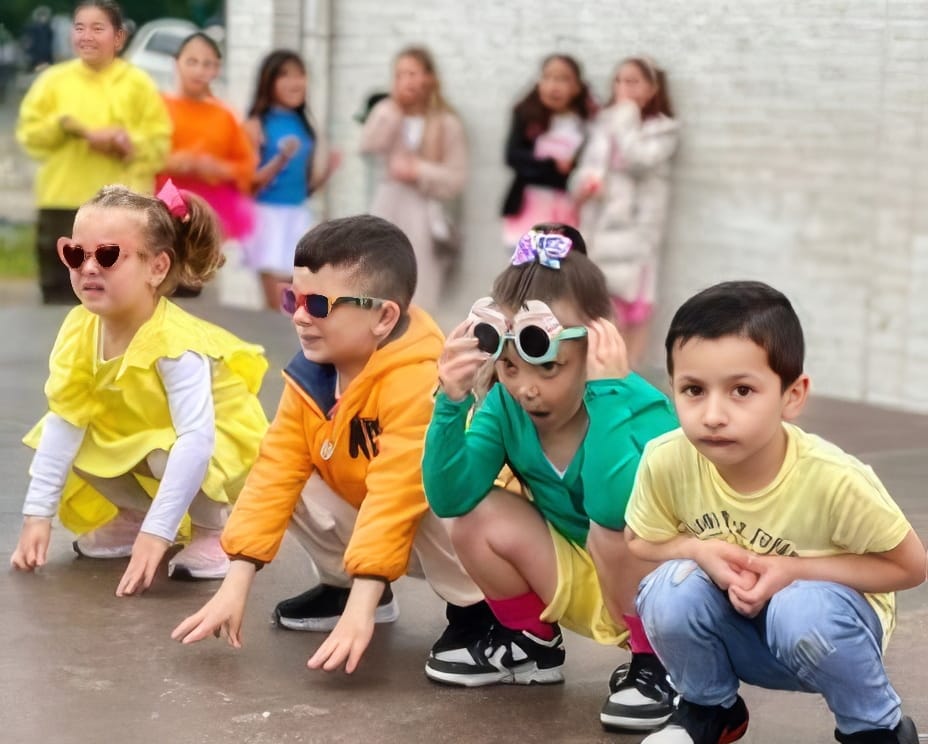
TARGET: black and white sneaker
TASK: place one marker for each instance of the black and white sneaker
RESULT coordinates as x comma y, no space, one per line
466,625
904,733
320,608
641,697
501,656
703,724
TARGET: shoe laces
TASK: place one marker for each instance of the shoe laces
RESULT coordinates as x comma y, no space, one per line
647,675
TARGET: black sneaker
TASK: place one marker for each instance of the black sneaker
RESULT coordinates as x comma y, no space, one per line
904,733
641,696
320,608
501,656
701,724
465,626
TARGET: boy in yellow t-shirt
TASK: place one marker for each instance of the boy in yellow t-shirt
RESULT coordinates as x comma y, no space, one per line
781,551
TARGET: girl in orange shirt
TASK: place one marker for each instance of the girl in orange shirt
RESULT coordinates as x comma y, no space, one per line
210,153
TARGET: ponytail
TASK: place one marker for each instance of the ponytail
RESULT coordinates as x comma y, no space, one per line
198,244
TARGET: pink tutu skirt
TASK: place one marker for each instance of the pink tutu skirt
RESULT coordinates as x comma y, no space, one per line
540,204
235,210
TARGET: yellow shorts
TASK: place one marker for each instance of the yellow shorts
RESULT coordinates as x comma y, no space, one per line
578,601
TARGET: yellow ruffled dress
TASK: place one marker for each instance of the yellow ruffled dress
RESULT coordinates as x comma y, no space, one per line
123,406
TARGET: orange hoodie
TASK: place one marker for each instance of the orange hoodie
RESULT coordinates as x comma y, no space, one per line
368,450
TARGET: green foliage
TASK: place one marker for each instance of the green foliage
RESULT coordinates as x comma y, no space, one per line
17,251
14,14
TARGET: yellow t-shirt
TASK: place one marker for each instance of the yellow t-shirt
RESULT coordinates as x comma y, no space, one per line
822,502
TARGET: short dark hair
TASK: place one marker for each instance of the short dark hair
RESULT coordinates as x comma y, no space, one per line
202,36
377,252
748,309
109,7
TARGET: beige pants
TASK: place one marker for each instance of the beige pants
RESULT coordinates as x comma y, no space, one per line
323,523
125,492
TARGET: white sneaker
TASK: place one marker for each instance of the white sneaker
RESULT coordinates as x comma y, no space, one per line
114,539
203,558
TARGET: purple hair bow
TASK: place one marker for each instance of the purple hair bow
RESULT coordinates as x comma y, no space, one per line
548,248
174,201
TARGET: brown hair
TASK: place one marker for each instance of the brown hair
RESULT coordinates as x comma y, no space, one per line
535,117
578,281
424,57
660,101
272,67
194,243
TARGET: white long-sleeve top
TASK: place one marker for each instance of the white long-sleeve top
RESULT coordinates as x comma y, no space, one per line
188,385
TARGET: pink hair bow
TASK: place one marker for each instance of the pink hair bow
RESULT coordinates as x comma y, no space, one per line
174,201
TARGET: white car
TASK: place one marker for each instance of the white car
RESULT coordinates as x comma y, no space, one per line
154,45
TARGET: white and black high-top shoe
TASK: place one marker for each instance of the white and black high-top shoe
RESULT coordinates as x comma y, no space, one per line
641,697
502,656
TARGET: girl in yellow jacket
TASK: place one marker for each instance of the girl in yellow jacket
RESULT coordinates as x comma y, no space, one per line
91,121
153,413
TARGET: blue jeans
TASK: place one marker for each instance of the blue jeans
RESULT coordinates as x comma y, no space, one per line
812,636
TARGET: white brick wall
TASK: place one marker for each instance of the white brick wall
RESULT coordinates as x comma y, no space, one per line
804,161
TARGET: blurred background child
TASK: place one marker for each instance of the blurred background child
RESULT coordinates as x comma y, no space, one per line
210,153
548,127
623,183
290,169
90,121
418,142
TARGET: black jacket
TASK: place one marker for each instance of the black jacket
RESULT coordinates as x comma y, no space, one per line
530,171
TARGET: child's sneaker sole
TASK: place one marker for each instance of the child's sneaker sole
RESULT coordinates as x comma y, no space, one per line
527,674
183,573
123,551
388,613
627,723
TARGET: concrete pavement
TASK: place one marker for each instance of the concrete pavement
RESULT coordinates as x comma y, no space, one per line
78,665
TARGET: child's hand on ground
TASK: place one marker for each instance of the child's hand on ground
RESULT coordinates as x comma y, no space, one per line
606,355
774,572
32,548
460,361
223,614
147,553
349,639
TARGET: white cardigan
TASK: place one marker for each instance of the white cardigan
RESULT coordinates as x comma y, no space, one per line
624,223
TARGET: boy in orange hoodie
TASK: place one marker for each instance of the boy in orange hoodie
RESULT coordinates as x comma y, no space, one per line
340,463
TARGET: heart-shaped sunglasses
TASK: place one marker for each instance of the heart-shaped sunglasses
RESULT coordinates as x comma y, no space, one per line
73,256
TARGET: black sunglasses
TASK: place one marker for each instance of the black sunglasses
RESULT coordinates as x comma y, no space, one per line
73,256
319,306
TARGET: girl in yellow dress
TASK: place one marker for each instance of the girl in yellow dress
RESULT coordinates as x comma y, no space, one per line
153,417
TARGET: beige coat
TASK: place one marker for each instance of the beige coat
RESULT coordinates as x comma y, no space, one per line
624,223
442,162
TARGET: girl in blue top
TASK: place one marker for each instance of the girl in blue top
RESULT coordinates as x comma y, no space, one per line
570,420
288,171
